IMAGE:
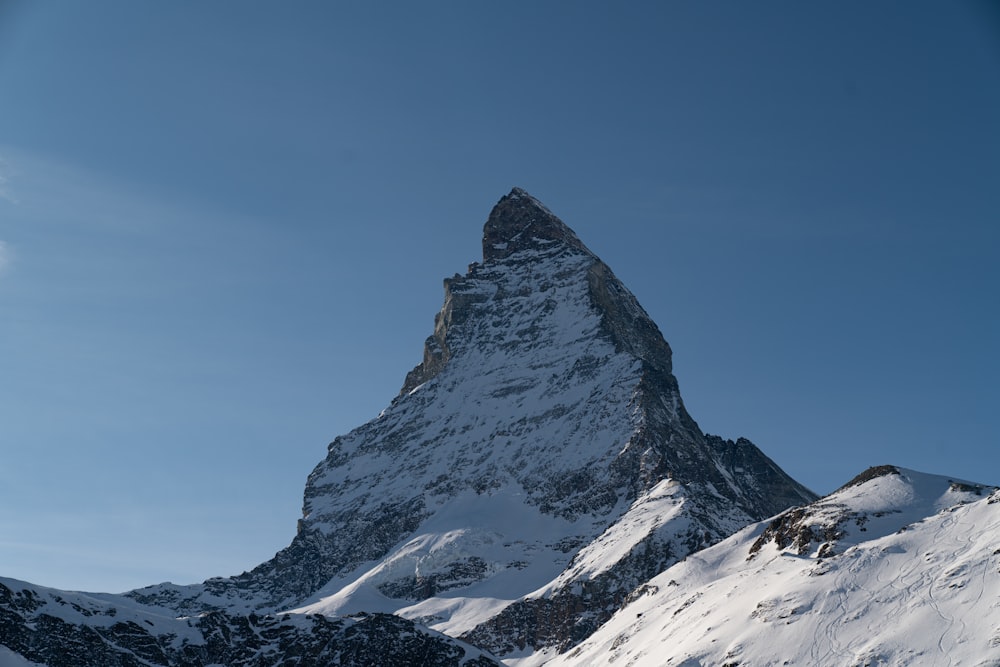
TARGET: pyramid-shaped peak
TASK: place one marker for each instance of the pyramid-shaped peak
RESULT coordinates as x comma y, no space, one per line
521,222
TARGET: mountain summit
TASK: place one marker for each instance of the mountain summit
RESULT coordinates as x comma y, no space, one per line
519,222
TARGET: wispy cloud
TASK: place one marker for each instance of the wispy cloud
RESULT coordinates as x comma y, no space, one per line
70,217
6,191
5,256
7,195
51,192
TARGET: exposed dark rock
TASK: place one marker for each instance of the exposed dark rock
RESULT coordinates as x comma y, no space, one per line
520,222
871,473
966,487
420,587
791,529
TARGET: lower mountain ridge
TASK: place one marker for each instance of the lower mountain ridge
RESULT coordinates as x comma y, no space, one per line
536,477
41,626
895,568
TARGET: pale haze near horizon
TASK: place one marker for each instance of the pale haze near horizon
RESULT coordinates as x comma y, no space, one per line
223,229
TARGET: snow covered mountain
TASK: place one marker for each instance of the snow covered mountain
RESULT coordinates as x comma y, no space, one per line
536,467
536,477
895,568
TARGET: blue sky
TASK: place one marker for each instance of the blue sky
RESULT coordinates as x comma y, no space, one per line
223,229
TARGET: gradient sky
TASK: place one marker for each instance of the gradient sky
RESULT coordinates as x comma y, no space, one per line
224,226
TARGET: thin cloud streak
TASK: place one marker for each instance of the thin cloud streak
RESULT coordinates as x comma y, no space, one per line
49,191
6,192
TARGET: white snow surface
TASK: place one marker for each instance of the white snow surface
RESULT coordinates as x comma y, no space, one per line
917,585
540,569
10,659
511,536
660,506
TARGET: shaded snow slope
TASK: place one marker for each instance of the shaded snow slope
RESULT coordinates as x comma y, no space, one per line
911,577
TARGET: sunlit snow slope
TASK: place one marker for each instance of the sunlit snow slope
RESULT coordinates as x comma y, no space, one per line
910,576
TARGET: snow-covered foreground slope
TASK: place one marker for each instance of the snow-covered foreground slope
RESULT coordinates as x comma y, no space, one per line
910,576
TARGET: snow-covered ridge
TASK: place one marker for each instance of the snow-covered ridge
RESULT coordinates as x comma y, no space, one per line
877,502
917,582
100,610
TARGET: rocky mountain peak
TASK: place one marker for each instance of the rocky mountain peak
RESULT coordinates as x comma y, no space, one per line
539,456
520,222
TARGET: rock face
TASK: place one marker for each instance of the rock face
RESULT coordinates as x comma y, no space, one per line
520,222
536,468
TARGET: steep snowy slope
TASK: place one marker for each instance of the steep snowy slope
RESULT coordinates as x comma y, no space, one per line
536,466
896,568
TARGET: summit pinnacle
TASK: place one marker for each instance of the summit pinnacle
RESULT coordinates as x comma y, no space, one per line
519,222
